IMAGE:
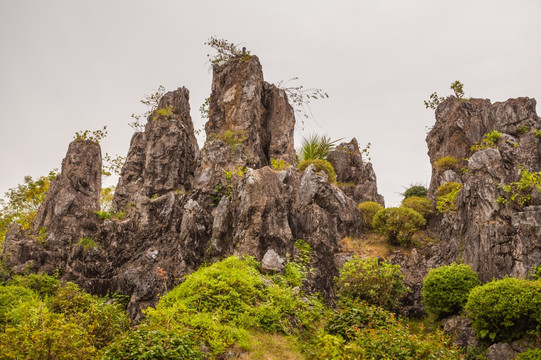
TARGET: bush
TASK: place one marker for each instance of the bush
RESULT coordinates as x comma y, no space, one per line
398,224
320,165
42,284
505,310
372,280
368,210
446,163
147,343
446,289
531,354
422,205
353,316
446,196
11,297
396,342
416,190
488,141
279,164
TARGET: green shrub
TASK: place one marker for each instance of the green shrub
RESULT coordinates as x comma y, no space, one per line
523,129
42,284
398,224
218,303
396,342
165,112
45,335
352,316
520,191
12,297
368,210
531,354
505,310
446,289
488,141
416,190
446,196
231,138
279,164
446,163
320,165
152,343
536,133
372,280
422,205
87,243
103,215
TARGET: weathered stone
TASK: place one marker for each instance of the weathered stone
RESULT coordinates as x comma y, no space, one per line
460,330
164,157
272,262
501,351
355,177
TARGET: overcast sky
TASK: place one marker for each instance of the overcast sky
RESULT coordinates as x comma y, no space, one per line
67,66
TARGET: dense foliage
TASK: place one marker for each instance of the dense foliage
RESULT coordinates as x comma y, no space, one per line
368,210
422,205
415,190
446,163
446,196
506,310
398,224
372,280
45,319
316,147
446,289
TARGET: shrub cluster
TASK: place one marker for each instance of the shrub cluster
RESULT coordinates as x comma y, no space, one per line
422,205
488,141
368,210
506,310
446,289
320,165
446,163
371,280
415,190
398,224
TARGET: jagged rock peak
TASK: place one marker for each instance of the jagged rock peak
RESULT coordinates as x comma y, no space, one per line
356,178
164,157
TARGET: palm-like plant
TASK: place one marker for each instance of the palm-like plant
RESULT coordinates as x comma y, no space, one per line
316,147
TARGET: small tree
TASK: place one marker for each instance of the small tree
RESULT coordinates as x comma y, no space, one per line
398,224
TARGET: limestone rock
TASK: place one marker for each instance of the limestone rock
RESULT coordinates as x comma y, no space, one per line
501,351
461,331
356,177
164,157
272,262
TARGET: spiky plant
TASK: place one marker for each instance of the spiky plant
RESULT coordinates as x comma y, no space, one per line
316,147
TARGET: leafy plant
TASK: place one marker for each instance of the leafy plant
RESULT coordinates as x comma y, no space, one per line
153,343
523,129
42,284
320,165
300,97
446,196
422,205
87,243
316,147
204,109
279,164
433,101
536,133
520,191
226,51
398,224
530,354
415,190
164,113
151,101
95,136
103,215
371,280
446,163
505,310
446,289
488,141
458,89
368,210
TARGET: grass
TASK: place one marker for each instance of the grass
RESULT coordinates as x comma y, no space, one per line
264,346
368,246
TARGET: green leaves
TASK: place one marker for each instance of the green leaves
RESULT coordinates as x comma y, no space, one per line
398,224
316,147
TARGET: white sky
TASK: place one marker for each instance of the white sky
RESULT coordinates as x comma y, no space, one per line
67,66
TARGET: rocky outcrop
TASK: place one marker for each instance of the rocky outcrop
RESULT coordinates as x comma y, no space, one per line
65,216
163,158
178,207
495,239
355,177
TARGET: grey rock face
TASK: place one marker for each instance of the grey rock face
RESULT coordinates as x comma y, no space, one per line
272,262
495,239
164,157
501,351
357,177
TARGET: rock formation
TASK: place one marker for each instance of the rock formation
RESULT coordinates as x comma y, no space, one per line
178,206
